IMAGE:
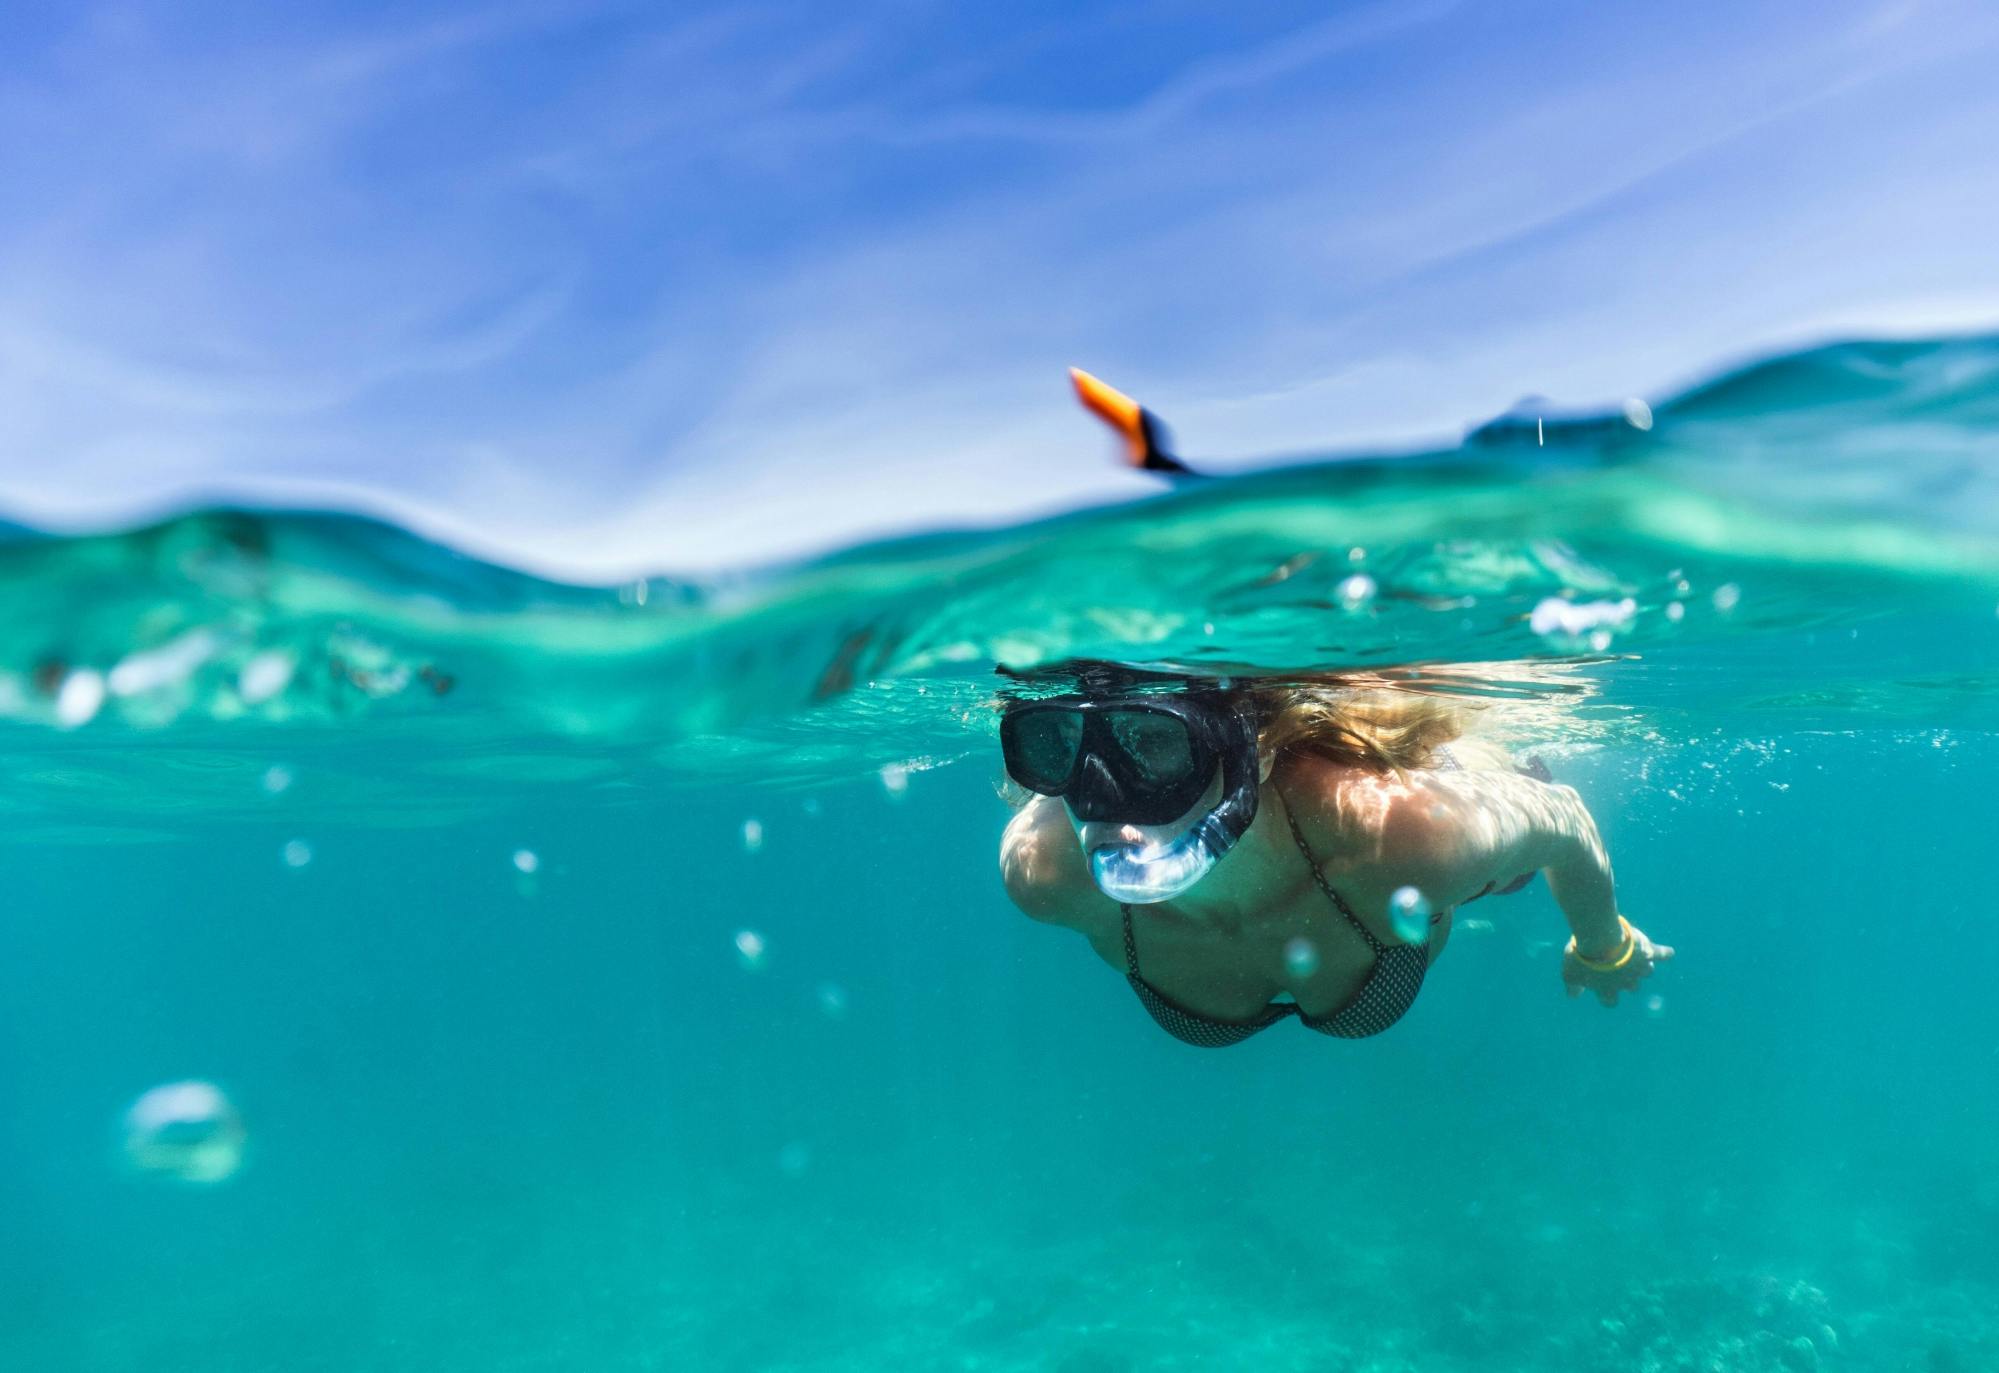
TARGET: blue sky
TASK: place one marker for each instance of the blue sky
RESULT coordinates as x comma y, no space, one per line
607,287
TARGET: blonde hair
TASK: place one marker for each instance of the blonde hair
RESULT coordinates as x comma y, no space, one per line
1386,728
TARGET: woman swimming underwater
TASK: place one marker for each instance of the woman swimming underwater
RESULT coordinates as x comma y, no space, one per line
1242,851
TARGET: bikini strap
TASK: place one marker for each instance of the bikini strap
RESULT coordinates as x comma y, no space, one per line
1130,943
1312,863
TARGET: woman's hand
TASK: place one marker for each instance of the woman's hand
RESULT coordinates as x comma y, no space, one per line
1619,971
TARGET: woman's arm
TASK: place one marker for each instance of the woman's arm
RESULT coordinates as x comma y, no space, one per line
1563,843
1454,835
1468,830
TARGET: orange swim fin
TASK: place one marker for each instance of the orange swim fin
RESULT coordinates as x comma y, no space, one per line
1144,436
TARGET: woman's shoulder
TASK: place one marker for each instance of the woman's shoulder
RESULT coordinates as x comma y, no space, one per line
1326,790
1354,812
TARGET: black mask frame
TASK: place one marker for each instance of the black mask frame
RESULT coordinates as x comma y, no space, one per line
1085,749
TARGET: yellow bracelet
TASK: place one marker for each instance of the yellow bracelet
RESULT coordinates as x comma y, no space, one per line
1609,965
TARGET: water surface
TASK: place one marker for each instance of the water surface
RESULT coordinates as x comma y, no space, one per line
555,1119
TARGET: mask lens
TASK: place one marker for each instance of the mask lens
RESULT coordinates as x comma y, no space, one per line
1156,745
1041,748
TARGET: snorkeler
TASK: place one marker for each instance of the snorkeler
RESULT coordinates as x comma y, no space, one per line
1247,852
1377,822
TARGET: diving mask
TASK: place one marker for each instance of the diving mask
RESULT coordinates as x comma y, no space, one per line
1162,784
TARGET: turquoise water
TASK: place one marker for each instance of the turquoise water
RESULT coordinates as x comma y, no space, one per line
271,779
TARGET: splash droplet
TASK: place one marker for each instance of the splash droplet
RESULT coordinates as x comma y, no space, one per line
750,949
188,1131
1572,624
1637,413
753,835
1409,915
1357,591
170,664
1301,957
527,861
79,698
297,853
264,676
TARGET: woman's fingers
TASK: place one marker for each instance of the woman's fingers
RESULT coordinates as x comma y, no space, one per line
1607,984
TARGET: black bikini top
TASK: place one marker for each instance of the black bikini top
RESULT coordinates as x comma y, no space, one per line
1382,1000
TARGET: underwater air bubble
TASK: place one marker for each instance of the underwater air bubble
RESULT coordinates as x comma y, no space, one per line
1655,1005
753,835
526,861
1727,596
794,1158
188,1131
832,999
1637,413
79,697
1301,957
277,778
750,949
1409,915
895,779
297,853
264,676
1356,591
1675,611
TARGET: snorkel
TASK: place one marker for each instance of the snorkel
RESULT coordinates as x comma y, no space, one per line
1161,862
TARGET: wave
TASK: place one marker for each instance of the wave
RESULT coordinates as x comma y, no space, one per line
1813,536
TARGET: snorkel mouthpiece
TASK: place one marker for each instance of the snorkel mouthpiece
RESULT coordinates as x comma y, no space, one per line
1148,872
